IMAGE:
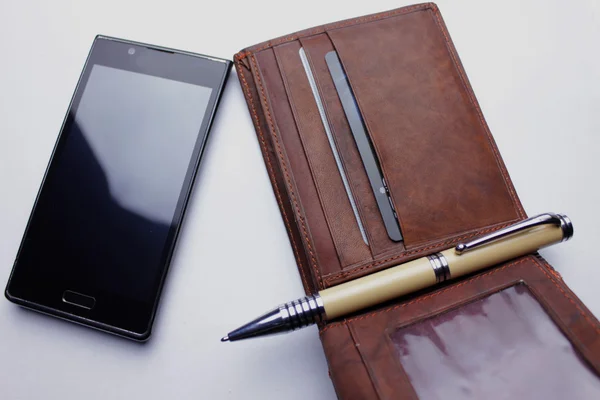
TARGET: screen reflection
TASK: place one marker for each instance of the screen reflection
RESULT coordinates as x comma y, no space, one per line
142,129
103,219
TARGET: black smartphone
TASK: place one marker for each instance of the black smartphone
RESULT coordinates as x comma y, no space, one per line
103,228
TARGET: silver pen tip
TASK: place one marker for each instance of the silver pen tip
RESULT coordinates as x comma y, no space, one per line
225,339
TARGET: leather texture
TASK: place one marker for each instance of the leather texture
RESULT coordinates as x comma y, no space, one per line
446,177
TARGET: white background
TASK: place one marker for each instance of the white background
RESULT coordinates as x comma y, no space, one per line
534,66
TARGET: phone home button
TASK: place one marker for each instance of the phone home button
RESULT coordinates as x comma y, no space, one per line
78,299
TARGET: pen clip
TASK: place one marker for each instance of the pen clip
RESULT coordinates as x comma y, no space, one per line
548,218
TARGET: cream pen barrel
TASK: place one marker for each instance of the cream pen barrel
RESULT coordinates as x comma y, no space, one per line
419,274
377,288
514,241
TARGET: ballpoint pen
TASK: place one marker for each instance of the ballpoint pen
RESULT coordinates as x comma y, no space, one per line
505,244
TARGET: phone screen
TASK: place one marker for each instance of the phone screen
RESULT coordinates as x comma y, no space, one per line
105,219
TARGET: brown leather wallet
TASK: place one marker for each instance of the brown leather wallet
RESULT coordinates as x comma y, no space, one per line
446,178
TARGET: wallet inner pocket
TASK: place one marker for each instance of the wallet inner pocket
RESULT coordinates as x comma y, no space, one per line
337,208
316,47
441,165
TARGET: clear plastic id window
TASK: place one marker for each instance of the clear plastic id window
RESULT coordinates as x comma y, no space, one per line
504,346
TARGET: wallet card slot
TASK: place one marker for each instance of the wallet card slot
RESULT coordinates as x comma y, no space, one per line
437,156
334,201
332,144
322,242
316,47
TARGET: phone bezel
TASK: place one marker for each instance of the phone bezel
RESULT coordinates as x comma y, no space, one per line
161,61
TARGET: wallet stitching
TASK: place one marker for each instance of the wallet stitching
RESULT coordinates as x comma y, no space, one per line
475,278
272,175
343,274
281,152
583,313
287,176
469,91
355,21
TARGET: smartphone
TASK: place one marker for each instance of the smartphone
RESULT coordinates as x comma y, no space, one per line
103,228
